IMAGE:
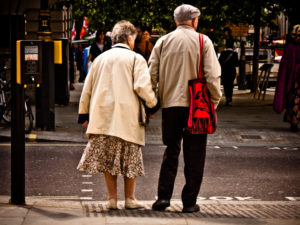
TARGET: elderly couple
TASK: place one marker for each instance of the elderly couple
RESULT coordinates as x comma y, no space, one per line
109,108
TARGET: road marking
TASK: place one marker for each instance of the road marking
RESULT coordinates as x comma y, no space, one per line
274,148
39,144
85,176
86,190
32,137
88,183
86,198
293,198
54,197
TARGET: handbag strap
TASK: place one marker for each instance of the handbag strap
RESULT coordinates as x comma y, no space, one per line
200,74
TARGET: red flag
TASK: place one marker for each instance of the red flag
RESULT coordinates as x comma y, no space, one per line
84,28
73,32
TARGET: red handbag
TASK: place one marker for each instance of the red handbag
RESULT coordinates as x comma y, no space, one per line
202,116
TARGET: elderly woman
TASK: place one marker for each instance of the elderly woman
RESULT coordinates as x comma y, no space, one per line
109,107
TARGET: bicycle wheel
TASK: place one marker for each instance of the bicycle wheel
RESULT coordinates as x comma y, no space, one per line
7,110
7,113
28,117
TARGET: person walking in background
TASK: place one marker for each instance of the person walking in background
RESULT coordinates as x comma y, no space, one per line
79,62
145,46
173,62
138,38
109,107
228,60
287,94
100,45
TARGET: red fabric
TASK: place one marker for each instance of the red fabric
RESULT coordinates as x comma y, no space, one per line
202,117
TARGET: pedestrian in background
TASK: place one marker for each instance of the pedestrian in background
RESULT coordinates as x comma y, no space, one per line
79,62
100,45
174,61
228,61
287,95
145,46
109,107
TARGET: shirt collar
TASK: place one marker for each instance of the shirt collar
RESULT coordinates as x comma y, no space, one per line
185,27
121,45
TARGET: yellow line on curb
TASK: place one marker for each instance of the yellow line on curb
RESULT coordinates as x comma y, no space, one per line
32,137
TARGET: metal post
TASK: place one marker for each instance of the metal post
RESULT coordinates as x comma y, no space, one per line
45,105
17,129
242,69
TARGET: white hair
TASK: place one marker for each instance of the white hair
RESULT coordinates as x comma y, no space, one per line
122,31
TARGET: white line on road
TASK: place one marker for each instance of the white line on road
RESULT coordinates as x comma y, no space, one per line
86,198
86,190
39,144
87,183
85,176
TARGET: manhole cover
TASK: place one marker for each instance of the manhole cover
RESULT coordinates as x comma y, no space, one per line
251,137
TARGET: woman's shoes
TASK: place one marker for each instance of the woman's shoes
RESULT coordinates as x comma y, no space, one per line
129,204
112,204
132,204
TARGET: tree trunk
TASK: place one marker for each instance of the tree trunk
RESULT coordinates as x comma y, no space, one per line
256,47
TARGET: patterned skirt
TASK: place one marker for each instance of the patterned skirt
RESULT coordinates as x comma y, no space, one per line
292,104
111,154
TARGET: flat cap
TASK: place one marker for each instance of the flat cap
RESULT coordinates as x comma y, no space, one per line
186,12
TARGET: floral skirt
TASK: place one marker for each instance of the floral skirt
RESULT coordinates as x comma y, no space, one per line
111,154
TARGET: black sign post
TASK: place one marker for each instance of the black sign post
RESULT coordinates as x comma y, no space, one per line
17,139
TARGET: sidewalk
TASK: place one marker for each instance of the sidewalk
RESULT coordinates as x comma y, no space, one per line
57,212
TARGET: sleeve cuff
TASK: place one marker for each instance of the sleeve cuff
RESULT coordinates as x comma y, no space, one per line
82,118
154,109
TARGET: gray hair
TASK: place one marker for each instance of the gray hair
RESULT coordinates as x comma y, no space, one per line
122,31
185,13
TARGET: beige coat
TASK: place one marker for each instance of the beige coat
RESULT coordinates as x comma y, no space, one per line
175,60
108,94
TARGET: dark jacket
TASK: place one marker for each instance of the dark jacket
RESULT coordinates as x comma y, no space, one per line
228,61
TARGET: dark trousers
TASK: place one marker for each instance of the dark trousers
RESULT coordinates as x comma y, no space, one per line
174,121
228,80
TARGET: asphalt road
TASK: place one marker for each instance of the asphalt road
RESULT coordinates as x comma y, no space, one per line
231,173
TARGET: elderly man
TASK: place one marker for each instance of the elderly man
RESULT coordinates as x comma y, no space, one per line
174,61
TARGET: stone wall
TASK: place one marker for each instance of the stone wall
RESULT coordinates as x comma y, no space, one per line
60,23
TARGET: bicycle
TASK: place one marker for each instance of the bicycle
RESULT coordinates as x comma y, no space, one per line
5,104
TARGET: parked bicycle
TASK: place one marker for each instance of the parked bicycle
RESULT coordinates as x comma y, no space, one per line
5,103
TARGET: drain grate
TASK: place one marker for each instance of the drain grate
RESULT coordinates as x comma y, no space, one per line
256,137
247,211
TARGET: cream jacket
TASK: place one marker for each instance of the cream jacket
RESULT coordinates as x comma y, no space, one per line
175,60
108,94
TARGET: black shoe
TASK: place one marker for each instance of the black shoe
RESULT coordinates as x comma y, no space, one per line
161,204
191,209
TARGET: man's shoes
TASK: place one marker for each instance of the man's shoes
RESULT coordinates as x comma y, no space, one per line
161,204
191,209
